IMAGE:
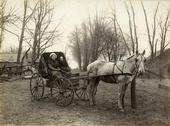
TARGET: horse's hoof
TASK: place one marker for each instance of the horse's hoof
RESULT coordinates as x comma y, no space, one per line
133,110
91,104
122,110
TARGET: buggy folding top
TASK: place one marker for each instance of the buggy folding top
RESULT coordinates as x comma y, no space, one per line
43,64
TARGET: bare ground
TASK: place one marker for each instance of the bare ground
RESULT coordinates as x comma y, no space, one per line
153,107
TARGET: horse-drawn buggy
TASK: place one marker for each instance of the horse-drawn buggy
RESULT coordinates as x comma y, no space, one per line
64,84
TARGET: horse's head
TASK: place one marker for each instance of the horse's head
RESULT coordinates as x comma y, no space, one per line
140,62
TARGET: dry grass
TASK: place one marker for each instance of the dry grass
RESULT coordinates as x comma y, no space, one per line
17,107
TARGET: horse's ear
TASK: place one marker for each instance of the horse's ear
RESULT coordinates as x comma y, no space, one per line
143,52
137,52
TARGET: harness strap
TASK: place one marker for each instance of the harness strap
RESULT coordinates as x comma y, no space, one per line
123,66
113,72
115,64
114,67
119,68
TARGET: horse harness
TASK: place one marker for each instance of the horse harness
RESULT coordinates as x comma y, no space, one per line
115,77
115,65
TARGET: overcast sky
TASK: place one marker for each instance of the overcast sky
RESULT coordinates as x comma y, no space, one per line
73,12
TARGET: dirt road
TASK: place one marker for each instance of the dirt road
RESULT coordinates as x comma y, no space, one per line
18,108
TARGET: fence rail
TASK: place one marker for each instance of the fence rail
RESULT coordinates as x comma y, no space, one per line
8,71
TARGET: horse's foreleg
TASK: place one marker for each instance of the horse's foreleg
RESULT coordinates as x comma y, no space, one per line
121,93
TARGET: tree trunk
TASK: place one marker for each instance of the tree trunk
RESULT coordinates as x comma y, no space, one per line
2,23
22,32
34,50
1,34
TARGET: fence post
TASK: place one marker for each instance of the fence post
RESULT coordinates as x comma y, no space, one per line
133,94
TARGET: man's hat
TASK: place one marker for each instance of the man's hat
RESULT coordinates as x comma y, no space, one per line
53,56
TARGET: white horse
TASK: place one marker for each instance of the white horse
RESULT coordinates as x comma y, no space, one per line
125,71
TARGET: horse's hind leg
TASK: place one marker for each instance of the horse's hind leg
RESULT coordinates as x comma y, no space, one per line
91,88
92,91
96,82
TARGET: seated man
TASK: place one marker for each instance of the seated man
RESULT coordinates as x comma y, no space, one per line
63,65
53,69
53,65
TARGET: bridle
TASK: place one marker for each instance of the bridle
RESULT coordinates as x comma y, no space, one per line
137,65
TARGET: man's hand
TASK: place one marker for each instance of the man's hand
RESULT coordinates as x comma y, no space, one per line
57,69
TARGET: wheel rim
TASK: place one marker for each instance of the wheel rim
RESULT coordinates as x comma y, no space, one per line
37,87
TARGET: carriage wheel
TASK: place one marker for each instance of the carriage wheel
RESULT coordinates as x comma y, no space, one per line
65,94
37,86
82,91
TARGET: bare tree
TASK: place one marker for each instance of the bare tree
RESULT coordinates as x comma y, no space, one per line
43,33
22,31
151,36
2,22
118,30
85,46
25,57
76,46
25,19
6,18
113,44
164,28
97,38
96,30
132,28
87,42
120,37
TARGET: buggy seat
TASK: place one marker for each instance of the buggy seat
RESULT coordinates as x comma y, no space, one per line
43,68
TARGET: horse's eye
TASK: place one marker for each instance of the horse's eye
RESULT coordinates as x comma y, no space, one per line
144,60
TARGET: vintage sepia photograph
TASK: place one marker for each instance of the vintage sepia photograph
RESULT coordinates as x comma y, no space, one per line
85,62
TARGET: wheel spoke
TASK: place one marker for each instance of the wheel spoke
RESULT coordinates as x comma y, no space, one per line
33,90
65,97
86,96
82,93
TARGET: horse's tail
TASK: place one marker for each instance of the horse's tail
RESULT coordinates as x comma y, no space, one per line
88,72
